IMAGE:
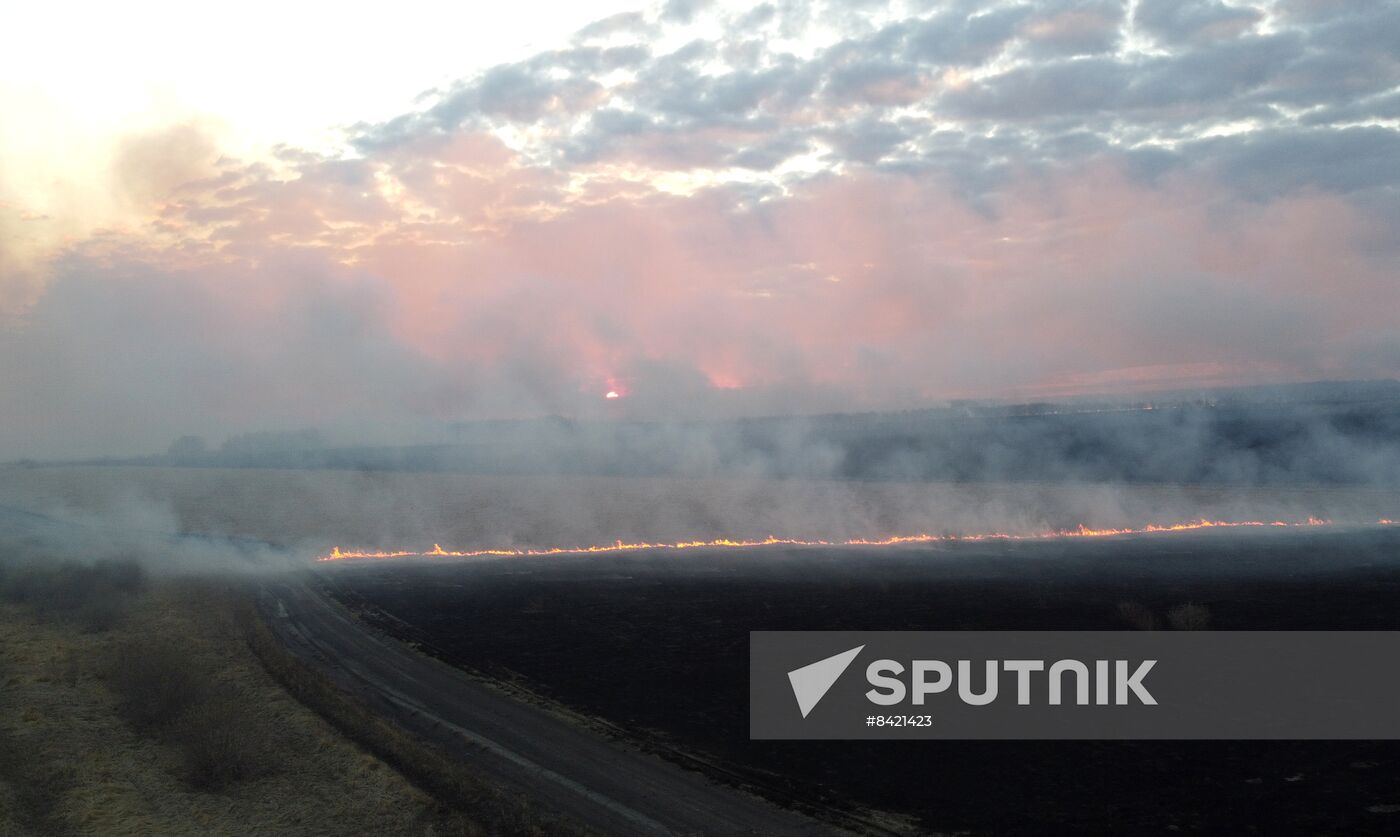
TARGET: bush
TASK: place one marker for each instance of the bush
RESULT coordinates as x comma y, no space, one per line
99,615
155,683
222,741
163,691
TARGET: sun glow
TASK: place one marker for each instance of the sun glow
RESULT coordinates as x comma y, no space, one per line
619,546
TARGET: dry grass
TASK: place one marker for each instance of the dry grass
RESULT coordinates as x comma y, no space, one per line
29,787
92,596
70,762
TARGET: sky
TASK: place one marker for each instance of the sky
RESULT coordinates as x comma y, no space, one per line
271,216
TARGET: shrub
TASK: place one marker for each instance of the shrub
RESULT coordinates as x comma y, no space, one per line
222,741
155,682
163,690
99,615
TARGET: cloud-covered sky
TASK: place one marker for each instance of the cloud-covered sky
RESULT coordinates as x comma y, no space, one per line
719,210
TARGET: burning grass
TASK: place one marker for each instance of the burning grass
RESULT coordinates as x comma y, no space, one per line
1081,531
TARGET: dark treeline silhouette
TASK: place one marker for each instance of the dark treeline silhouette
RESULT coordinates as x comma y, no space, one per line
1335,433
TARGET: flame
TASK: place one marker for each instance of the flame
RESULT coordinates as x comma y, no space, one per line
1081,531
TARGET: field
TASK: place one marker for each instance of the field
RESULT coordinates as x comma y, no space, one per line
156,718
310,510
657,645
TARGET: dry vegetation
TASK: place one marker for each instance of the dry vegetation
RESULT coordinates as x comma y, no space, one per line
136,708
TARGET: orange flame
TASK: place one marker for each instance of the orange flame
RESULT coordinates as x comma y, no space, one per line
618,546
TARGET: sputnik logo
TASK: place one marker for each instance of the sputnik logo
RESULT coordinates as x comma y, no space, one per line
811,682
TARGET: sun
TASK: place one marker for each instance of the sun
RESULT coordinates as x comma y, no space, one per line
612,394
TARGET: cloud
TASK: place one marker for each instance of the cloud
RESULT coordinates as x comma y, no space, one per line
1075,28
1175,21
683,11
1072,88
963,203
1059,67
1338,161
956,38
623,23
149,166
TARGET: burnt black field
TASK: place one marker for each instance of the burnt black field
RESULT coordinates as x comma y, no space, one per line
657,644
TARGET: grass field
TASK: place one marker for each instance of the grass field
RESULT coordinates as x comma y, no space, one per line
160,719
306,510
79,756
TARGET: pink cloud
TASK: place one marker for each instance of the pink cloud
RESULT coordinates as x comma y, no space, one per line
456,281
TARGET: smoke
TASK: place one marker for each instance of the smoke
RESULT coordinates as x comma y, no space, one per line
726,232
87,539
124,524
257,519
873,292
149,166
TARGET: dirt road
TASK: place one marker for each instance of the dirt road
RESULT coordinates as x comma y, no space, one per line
581,774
